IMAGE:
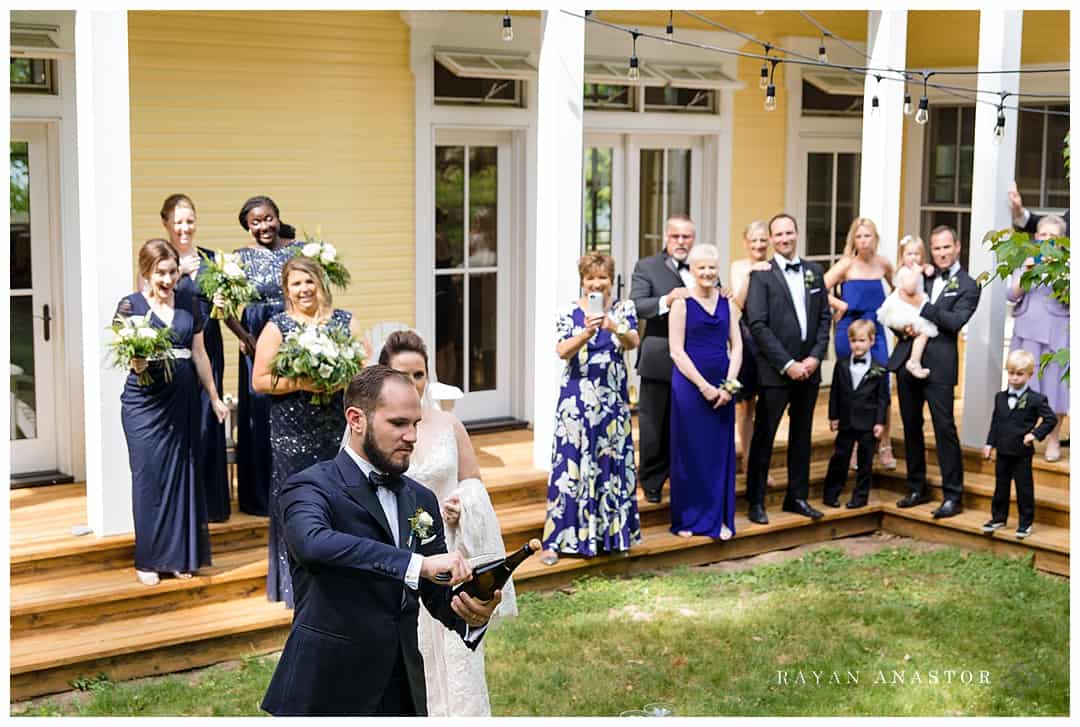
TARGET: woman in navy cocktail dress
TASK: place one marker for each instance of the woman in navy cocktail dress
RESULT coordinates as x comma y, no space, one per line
701,331
178,217
161,425
271,247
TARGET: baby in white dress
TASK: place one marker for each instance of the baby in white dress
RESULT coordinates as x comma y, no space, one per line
895,313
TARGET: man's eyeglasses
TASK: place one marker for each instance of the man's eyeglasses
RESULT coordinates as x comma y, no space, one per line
681,237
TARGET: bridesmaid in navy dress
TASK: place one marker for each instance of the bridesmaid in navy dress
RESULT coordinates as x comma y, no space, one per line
161,425
301,433
272,245
861,272
178,217
701,330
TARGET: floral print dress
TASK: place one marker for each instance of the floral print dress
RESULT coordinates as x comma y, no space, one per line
591,500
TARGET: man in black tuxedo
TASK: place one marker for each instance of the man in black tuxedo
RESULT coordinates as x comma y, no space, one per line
1013,432
952,299
364,543
788,312
657,281
858,404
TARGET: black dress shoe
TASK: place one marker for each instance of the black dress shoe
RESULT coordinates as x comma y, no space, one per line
948,509
832,503
652,497
911,500
855,504
802,507
757,515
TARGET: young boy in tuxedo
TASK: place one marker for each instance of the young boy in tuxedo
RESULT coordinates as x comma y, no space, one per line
858,402
1013,433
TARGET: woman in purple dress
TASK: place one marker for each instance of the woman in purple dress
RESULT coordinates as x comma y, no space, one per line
701,330
1041,325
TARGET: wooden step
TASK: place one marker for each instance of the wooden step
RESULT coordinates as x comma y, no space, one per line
1047,474
661,549
100,597
41,663
1051,503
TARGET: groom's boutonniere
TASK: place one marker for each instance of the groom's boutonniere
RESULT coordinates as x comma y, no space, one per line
954,283
808,278
421,525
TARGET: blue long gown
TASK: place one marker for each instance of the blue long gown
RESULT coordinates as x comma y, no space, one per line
863,297
301,434
703,438
212,462
263,267
161,425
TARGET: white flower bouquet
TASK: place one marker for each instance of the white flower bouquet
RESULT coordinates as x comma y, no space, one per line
224,274
325,254
134,337
330,357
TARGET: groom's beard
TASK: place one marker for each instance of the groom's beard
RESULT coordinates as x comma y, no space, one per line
378,459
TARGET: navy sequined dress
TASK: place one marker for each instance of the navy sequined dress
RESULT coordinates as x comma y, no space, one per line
161,425
211,446
263,268
301,434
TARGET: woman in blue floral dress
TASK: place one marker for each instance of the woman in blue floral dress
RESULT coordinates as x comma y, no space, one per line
591,501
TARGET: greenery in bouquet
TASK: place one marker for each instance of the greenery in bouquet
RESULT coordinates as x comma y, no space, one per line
325,254
134,337
224,274
329,357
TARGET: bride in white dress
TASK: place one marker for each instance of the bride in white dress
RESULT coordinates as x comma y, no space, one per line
444,461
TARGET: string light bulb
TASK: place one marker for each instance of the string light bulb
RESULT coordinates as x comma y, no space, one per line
907,104
635,72
770,98
669,32
508,28
999,128
763,82
822,55
923,114
875,107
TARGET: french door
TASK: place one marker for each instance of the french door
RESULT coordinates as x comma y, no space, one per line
471,275
34,342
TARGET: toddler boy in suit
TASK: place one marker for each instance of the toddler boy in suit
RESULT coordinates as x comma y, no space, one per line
1013,432
858,403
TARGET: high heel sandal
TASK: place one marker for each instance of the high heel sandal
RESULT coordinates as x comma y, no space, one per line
885,457
147,577
550,558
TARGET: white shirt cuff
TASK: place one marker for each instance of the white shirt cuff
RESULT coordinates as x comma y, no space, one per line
662,306
472,634
787,366
1022,219
412,573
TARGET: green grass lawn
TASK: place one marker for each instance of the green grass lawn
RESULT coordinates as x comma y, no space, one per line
825,634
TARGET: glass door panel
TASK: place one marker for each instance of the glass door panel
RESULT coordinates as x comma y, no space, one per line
596,218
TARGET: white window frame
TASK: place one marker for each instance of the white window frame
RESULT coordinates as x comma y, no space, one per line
452,60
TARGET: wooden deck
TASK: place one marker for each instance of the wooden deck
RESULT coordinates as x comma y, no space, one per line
77,609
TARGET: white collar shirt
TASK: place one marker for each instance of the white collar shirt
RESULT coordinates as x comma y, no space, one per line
797,285
939,282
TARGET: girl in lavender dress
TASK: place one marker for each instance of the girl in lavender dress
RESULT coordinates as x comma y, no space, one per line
701,331
1041,325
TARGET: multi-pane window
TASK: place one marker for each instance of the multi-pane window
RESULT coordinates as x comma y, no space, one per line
33,75
832,201
597,203
1040,166
609,97
454,90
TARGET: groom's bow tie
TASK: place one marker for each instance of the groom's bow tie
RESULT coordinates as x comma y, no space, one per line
793,267
394,483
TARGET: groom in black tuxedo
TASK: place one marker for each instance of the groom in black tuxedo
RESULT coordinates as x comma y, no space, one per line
361,553
657,281
952,299
788,312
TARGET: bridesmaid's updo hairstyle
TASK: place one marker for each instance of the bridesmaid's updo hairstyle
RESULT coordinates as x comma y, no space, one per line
285,231
172,202
755,225
592,260
849,246
406,341
154,251
307,265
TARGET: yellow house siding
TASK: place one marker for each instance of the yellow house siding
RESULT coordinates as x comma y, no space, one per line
314,109
943,38
758,154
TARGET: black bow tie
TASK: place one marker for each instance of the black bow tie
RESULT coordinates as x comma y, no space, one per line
796,267
944,273
861,360
1013,395
682,265
394,483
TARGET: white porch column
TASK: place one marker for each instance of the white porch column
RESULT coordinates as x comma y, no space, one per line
104,158
883,133
558,207
995,164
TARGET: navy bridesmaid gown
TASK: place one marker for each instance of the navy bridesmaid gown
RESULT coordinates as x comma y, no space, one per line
703,438
161,424
863,297
263,267
212,461
301,434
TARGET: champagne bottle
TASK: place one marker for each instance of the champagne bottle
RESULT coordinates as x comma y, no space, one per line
492,576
